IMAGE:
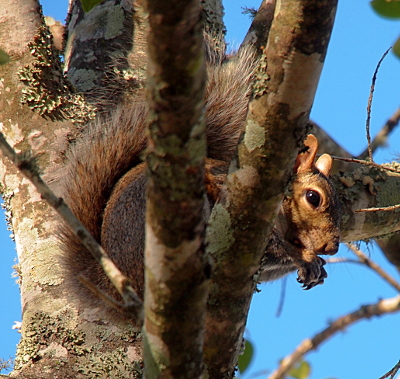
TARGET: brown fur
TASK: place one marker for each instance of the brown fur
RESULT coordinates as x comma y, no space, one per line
303,231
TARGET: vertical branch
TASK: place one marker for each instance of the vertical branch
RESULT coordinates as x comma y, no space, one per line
371,95
278,113
258,32
176,271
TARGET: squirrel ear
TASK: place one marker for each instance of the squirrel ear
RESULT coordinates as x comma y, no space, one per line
324,164
305,160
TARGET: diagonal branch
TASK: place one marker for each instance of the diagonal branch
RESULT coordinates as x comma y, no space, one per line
133,305
381,138
278,114
373,266
365,312
258,32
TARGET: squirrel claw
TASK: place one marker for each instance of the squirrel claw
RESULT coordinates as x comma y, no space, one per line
312,274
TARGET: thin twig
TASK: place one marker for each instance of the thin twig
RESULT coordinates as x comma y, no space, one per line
366,163
392,372
371,95
132,304
364,312
372,265
282,297
381,138
342,260
390,208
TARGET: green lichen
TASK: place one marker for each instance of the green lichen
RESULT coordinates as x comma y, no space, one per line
85,78
48,92
131,333
219,231
389,194
7,195
197,144
213,23
43,329
113,364
115,22
261,77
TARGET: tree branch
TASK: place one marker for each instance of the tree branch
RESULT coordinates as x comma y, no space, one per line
392,372
381,138
133,305
278,114
364,312
373,266
176,269
26,15
369,186
258,32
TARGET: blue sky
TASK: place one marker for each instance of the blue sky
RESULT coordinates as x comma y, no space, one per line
370,348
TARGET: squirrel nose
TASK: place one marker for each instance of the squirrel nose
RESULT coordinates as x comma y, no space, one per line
329,248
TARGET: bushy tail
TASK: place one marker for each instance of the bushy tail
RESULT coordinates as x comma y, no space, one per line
110,148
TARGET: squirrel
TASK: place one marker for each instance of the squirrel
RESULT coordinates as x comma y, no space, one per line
103,182
307,223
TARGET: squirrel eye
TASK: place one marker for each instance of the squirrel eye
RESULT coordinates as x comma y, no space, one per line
314,198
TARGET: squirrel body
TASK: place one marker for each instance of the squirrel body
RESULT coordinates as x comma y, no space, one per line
104,182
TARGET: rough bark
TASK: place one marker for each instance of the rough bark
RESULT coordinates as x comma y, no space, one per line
58,339
97,48
176,269
32,220
257,34
278,114
213,17
368,187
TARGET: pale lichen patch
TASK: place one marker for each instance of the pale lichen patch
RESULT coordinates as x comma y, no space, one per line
14,133
254,137
54,350
219,231
47,268
248,176
115,22
84,79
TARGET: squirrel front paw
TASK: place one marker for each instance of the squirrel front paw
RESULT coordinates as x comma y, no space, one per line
311,274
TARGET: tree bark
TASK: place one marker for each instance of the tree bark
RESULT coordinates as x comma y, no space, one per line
58,338
240,223
176,269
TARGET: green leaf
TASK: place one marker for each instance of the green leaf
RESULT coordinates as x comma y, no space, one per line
4,57
87,5
387,8
246,357
301,371
396,48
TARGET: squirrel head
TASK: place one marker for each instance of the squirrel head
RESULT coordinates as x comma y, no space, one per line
310,215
